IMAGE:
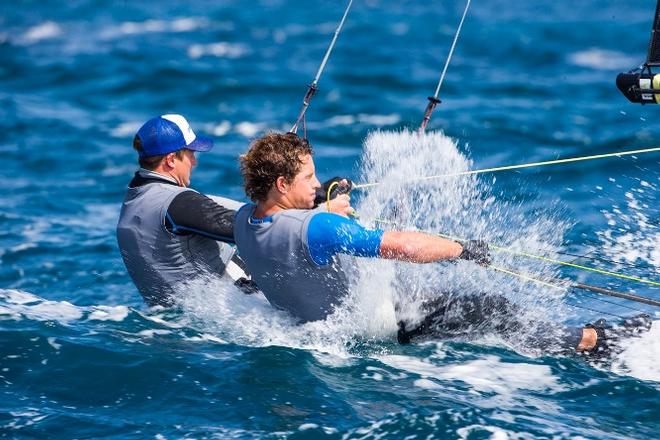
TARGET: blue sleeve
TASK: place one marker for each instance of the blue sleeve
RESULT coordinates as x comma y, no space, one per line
329,234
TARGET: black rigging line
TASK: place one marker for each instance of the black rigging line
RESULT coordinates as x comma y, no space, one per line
597,298
594,310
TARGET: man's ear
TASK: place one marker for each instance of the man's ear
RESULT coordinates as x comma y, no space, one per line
281,185
168,160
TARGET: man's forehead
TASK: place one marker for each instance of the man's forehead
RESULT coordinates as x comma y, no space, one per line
307,160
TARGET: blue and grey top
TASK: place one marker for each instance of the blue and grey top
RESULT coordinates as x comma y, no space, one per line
169,235
292,256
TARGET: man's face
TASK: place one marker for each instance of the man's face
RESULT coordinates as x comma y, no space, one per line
183,167
302,191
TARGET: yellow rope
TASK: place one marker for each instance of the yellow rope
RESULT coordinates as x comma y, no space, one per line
520,166
527,277
577,266
327,195
550,260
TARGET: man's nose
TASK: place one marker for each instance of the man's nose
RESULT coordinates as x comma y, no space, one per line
317,183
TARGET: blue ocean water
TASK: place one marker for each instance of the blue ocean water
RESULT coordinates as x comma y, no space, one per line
82,357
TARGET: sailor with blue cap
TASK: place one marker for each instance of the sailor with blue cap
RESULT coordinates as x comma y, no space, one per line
168,233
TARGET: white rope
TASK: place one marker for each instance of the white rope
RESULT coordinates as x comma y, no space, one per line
312,87
520,166
451,50
332,44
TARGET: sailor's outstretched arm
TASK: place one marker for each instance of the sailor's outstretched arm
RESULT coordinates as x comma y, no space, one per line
329,234
418,247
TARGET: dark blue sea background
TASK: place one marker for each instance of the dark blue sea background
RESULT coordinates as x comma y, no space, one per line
81,356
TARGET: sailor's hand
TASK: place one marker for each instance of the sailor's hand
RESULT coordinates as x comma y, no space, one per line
341,205
475,250
335,186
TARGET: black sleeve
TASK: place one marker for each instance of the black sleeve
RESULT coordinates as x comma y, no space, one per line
193,213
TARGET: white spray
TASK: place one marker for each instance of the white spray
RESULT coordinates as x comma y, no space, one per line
463,207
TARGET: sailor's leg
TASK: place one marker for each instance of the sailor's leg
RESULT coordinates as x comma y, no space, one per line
473,316
468,315
555,338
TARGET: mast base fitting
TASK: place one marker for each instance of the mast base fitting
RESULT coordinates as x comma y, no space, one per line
640,86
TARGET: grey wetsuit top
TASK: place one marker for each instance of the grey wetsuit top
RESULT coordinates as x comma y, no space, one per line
277,256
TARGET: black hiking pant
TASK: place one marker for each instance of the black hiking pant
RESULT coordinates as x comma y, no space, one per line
471,316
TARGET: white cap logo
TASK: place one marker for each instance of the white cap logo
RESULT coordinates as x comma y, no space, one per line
180,121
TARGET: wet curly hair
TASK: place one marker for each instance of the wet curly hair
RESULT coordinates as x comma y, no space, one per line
269,157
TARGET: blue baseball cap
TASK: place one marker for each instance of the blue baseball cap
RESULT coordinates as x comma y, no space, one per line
168,133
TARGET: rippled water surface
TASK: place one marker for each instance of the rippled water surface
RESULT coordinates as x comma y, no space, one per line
82,357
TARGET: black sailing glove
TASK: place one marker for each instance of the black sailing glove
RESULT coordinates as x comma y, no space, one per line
475,250
322,193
